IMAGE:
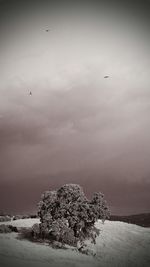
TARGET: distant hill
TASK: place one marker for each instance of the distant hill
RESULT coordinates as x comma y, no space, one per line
138,219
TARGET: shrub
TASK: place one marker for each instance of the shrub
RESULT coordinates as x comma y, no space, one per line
13,228
5,218
4,229
8,228
35,231
67,216
19,217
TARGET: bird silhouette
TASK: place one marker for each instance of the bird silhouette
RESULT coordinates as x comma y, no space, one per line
30,93
106,76
47,30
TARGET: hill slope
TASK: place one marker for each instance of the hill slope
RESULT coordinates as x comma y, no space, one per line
119,244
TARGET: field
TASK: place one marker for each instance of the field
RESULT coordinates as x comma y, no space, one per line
119,244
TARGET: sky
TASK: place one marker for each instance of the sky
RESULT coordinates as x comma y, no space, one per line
76,126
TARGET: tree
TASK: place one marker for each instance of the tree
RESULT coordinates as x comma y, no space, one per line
67,216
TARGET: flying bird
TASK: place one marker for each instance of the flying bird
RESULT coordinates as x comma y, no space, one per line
47,30
106,76
30,93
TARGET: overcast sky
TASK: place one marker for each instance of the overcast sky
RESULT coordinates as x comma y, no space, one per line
76,126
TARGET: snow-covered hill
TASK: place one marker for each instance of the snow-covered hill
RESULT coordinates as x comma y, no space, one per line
119,244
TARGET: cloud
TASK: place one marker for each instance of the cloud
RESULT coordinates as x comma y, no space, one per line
76,122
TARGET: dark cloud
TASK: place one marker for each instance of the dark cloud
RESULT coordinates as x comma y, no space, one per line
77,126
132,196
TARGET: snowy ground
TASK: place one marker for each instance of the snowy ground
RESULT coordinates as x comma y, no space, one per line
119,244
